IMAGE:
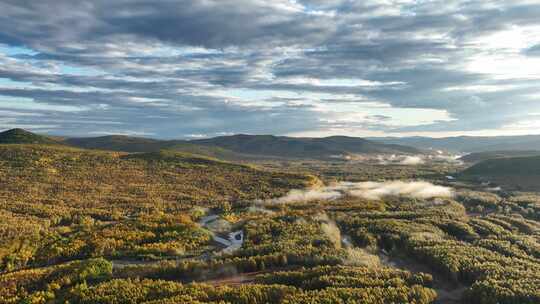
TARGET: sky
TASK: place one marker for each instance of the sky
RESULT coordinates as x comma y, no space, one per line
204,68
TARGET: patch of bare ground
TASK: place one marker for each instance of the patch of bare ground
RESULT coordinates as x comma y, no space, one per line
231,278
235,280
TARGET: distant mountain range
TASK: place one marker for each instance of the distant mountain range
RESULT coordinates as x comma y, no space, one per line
281,146
467,144
225,147
241,146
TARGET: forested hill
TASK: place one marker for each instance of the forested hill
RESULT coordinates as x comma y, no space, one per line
303,147
20,136
138,144
467,144
481,156
243,146
119,143
517,172
77,178
507,166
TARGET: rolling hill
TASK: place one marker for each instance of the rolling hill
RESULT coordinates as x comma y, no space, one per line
123,143
291,147
81,178
118,143
235,147
481,156
521,173
46,187
467,144
242,146
20,136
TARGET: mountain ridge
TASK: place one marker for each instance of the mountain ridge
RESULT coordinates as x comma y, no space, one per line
239,146
467,144
244,145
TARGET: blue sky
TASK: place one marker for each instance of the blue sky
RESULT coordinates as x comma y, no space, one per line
181,69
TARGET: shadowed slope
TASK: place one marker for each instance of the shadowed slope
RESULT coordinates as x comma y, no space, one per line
20,136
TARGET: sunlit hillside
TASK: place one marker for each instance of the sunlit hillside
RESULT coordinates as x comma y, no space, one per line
89,226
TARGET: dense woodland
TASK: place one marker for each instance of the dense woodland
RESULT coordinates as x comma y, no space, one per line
80,226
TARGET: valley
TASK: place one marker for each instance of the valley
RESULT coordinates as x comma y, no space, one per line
270,152
99,226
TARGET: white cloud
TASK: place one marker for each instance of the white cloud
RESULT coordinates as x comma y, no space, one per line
300,67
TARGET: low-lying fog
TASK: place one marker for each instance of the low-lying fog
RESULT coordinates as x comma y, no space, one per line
367,190
407,160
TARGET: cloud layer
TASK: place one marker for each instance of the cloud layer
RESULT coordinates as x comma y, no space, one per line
190,68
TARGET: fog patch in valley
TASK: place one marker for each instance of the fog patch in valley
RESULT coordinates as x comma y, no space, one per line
412,161
330,229
355,256
406,160
298,195
417,189
366,190
416,160
402,159
257,208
